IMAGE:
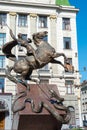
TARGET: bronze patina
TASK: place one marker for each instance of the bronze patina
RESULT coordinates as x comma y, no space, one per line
35,59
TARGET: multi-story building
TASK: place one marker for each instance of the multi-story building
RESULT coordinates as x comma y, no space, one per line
59,19
84,103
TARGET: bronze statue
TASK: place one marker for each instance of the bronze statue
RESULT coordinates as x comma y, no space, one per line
38,58
35,59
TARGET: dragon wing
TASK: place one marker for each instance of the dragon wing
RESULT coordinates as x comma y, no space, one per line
7,48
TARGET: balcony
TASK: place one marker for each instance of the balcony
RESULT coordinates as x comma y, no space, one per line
44,73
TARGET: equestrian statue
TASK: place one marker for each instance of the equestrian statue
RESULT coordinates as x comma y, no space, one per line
35,58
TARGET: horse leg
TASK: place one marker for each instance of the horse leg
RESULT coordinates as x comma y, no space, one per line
55,55
26,75
67,66
60,63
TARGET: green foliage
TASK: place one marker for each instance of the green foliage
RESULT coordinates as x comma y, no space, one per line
76,129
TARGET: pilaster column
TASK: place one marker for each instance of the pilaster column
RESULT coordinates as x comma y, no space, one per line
53,35
53,28
12,25
12,21
33,23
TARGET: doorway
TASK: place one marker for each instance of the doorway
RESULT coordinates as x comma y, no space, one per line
2,120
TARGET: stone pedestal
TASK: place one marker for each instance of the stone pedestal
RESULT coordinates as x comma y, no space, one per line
38,122
28,120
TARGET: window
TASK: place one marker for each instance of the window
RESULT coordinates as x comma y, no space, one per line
42,21
45,38
72,111
1,84
3,18
70,60
2,62
76,54
69,87
22,20
44,81
67,42
21,57
24,37
66,23
45,67
71,69
85,121
84,118
2,39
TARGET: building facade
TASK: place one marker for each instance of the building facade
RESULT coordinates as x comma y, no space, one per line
59,19
84,103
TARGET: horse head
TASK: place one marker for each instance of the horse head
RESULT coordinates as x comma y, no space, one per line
38,37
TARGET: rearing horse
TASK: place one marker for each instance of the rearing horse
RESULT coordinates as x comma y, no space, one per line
43,55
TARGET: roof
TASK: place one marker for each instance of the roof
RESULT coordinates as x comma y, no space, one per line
63,2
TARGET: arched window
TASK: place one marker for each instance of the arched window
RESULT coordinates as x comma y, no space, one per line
69,86
72,110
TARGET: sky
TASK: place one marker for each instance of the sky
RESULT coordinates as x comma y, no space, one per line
81,35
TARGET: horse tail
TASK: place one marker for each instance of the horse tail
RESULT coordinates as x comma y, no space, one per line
7,48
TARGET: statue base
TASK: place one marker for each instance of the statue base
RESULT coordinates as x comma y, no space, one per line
28,120
36,122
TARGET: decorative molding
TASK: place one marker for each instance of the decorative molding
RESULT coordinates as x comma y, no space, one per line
53,17
12,13
33,15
